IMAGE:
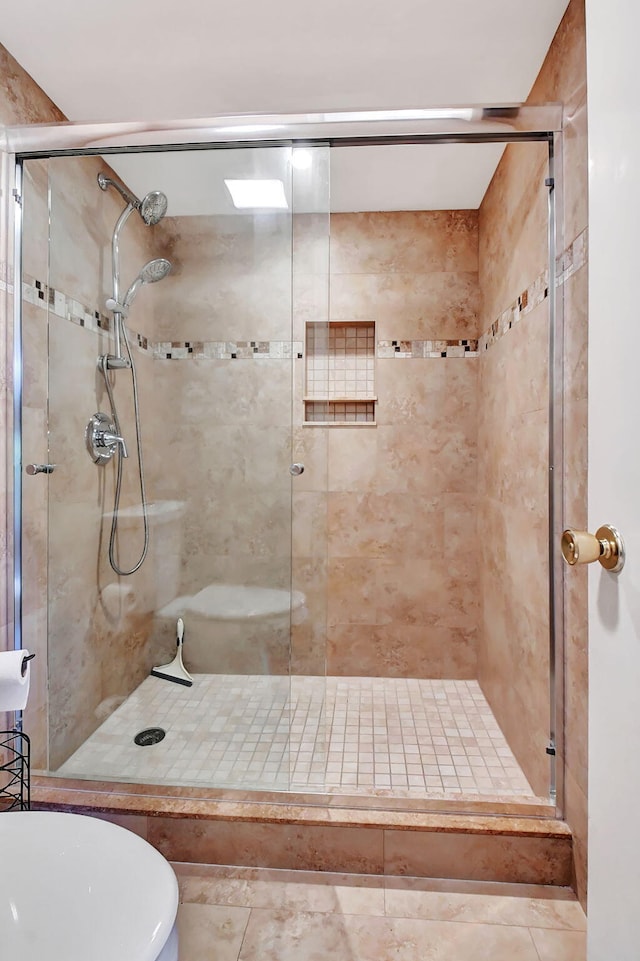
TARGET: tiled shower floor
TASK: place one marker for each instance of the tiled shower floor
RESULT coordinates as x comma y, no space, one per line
353,735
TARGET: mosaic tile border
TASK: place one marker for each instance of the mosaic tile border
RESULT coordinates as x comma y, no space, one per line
62,305
41,295
573,258
228,349
404,349
528,300
570,261
285,350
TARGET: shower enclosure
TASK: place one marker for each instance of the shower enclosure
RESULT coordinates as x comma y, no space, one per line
333,463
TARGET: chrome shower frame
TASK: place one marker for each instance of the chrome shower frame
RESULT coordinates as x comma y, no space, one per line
505,123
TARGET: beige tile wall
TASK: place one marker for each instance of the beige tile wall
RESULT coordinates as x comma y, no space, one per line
35,448
400,498
97,650
512,398
21,101
513,653
227,423
513,649
374,507
310,568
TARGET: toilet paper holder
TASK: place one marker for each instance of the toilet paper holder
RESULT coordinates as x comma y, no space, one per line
606,546
25,661
15,765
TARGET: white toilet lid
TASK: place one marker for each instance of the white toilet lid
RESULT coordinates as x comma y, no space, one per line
74,888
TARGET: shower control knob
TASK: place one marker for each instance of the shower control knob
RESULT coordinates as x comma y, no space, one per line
107,438
103,440
32,469
296,469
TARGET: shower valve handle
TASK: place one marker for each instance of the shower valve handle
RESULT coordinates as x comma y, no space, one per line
102,439
106,438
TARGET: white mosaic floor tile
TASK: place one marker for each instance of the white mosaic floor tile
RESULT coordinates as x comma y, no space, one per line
353,735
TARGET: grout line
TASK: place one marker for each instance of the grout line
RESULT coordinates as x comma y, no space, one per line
244,933
535,947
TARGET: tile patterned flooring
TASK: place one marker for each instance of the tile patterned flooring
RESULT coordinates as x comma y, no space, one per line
246,914
355,735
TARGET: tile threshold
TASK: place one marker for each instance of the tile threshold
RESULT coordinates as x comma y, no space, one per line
269,812
380,801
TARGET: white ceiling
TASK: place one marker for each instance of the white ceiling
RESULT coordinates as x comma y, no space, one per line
158,59
402,177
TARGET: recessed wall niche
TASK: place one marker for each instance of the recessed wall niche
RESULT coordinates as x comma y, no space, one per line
340,373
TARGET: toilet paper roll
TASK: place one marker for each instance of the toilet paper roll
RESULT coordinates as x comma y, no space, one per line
14,685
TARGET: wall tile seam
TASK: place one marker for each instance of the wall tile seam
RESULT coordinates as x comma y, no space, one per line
37,293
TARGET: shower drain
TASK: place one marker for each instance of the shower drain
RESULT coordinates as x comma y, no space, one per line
150,735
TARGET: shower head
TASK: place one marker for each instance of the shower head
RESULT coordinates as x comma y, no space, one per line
151,208
151,273
155,270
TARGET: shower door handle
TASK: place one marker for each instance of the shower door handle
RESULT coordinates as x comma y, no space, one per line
32,469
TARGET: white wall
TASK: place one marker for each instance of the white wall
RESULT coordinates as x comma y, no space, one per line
613,28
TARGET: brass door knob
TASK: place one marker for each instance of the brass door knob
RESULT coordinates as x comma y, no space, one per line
606,546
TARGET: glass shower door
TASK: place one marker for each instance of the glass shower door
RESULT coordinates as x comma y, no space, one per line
311,237
213,350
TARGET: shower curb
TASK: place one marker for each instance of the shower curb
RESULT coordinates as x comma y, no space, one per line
271,834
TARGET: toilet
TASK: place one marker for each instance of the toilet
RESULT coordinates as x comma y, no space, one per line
74,888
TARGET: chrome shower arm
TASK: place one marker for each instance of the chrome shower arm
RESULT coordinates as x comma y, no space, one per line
104,182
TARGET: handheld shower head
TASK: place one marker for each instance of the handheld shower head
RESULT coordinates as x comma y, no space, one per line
151,273
151,208
155,270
